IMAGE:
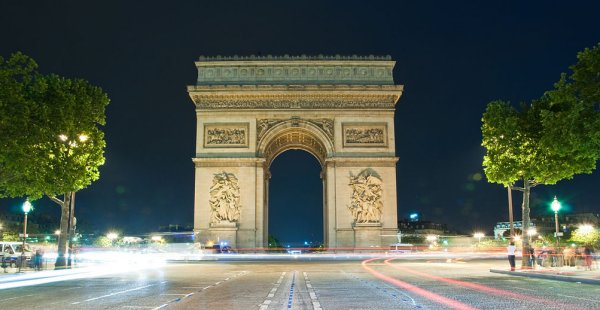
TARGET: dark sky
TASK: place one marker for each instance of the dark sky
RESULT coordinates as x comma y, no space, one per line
453,58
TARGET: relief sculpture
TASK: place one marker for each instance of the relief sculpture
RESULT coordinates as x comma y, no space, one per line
366,204
365,135
262,125
224,199
226,135
326,125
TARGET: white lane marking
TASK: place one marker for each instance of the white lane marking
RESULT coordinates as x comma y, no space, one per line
16,297
115,293
267,302
200,287
311,291
178,299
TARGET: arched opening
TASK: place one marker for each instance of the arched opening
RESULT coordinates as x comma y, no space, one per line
296,199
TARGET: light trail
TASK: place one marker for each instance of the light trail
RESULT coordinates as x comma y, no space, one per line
451,303
481,288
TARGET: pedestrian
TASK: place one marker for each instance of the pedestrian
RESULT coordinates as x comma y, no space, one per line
587,253
37,260
511,249
531,256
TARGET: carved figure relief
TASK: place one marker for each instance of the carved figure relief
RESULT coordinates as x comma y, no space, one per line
262,125
325,124
224,199
226,135
366,204
365,135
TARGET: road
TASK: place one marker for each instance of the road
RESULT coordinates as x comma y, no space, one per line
404,283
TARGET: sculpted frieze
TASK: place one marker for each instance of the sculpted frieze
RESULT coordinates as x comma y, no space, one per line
224,199
365,134
366,204
297,102
226,135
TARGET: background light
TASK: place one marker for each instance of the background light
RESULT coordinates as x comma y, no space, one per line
555,205
27,206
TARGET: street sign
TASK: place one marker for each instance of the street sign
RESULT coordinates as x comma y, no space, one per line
560,234
21,235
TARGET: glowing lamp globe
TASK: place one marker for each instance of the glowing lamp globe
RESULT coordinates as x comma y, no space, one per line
555,205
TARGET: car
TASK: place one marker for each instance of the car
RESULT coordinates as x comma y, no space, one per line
11,252
225,249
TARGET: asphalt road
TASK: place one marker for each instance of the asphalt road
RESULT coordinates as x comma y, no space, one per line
413,283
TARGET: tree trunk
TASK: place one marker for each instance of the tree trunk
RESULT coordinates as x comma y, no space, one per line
64,226
525,224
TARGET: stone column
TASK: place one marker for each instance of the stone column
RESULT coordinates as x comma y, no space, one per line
330,178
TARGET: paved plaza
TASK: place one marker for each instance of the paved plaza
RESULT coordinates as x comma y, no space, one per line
299,282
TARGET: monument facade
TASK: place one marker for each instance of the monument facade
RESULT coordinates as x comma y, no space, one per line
340,109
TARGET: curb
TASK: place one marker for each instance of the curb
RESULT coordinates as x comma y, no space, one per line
556,277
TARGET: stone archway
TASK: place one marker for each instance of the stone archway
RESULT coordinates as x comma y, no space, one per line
283,135
339,109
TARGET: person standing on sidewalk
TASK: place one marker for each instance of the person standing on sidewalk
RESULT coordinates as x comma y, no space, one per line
511,249
587,253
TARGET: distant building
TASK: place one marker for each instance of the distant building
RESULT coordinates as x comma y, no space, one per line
410,226
502,227
566,222
546,224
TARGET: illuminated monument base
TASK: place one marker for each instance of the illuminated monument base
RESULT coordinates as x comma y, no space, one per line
339,109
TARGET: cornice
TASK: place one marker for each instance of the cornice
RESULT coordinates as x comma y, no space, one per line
252,70
293,57
329,100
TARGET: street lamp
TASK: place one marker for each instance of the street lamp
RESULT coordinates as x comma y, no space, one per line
478,235
555,207
112,236
531,232
26,208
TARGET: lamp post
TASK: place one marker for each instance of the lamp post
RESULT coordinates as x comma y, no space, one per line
531,232
112,236
478,235
555,207
26,208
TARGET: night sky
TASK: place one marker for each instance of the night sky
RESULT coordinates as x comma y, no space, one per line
453,58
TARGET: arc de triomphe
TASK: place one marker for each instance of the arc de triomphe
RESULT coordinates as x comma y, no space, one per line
339,109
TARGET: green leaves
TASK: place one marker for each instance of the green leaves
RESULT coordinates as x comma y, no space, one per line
43,119
552,138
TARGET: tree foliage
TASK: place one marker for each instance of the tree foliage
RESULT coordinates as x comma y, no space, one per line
51,140
554,137
550,139
586,237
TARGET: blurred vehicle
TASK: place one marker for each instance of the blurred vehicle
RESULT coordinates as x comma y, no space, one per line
224,249
11,252
401,248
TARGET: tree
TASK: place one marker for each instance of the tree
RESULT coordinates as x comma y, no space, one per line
53,143
551,139
585,235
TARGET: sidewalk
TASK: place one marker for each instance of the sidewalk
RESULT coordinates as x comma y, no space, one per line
569,274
